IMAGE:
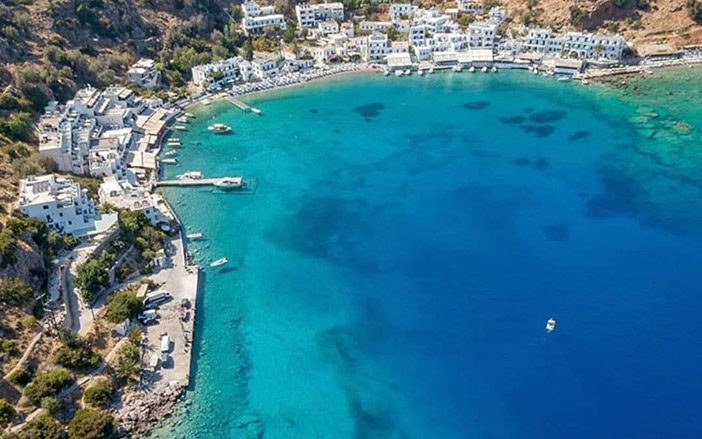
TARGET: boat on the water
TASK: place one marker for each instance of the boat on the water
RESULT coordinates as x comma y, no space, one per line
181,127
398,73
219,128
551,324
229,183
585,81
471,69
484,69
431,70
189,114
190,175
255,110
493,69
219,262
408,72
169,161
170,153
457,68
194,236
564,79
386,73
182,119
420,72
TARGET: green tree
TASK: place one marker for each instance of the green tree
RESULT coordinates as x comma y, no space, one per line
122,305
7,413
99,394
247,50
128,363
15,291
90,423
18,126
42,427
91,278
51,404
289,36
694,7
48,383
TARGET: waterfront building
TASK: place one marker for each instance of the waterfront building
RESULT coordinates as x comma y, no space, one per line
59,202
123,194
376,48
470,6
417,35
482,34
264,66
542,40
310,15
144,74
256,18
587,46
216,74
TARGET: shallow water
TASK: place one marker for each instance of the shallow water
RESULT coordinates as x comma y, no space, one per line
408,239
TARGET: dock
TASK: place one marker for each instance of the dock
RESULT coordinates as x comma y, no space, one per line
191,182
242,106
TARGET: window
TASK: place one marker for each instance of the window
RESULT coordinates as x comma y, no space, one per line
70,223
45,207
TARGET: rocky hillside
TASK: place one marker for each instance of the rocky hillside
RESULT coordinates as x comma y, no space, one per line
639,21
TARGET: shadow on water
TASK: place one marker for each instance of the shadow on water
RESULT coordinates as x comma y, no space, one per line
556,232
370,111
475,105
512,120
539,130
578,135
547,116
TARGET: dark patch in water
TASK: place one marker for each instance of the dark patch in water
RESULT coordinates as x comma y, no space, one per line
539,130
370,111
337,131
369,424
548,116
528,109
314,111
542,163
579,135
228,270
620,196
556,232
521,161
513,120
476,105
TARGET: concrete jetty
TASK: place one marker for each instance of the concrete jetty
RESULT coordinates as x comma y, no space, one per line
191,182
241,105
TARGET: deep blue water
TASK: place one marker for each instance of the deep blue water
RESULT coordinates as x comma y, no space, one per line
408,239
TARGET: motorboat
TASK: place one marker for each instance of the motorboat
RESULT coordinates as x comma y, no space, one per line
493,69
386,73
408,72
194,236
182,119
169,161
190,175
181,127
398,73
457,68
585,82
229,183
219,262
484,69
256,111
219,128
420,72
550,324
189,115
431,70
170,153
471,69
564,79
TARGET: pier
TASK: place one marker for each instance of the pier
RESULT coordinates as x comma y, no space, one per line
191,182
241,105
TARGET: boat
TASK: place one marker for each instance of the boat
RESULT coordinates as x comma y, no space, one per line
219,262
189,114
408,72
484,69
174,145
493,69
398,73
431,70
585,81
180,127
169,161
386,73
170,153
219,128
564,79
182,119
194,236
551,324
229,183
190,175
256,111
420,72
457,68
471,69
174,139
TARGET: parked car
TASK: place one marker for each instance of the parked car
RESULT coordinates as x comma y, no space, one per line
158,297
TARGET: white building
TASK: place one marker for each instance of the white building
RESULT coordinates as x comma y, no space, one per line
375,26
57,201
543,41
124,195
470,6
144,74
482,34
217,73
376,48
400,11
497,14
264,67
310,15
583,46
328,27
257,18
417,35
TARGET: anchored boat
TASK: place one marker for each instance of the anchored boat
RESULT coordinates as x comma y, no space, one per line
219,128
229,183
550,324
219,262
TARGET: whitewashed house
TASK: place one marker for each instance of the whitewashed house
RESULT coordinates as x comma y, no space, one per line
470,6
144,74
59,202
257,18
543,41
309,16
216,74
376,48
328,27
400,11
482,34
264,66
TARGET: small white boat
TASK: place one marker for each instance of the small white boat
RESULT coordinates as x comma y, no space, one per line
174,140
431,70
229,183
182,119
194,236
564,79
170,161
190,175
471,69
493,69
189,114
550,324
585,82
484,69
181,127
398,73
255,110
219,128
174,145
420,72
386,73
170,153
219,262
408,72
457,68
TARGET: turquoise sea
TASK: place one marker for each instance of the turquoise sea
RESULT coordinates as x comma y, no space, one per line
408,238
